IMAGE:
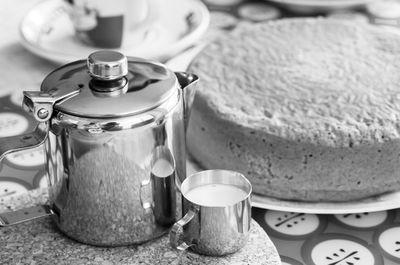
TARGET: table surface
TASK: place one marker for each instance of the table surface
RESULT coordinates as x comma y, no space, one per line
40,242
352,239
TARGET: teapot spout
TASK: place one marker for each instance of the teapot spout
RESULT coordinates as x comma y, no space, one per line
189,84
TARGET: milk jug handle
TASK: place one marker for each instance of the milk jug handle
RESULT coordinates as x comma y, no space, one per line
176,235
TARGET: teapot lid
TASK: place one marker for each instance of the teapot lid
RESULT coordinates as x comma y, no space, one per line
108,84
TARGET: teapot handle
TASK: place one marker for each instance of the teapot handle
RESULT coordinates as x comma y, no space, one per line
14,144
20,142
40,104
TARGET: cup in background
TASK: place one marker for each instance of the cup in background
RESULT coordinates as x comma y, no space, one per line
218,213
113,24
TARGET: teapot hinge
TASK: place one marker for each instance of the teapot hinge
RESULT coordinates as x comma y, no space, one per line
41,103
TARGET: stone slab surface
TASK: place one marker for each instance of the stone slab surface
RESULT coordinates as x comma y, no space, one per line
39,242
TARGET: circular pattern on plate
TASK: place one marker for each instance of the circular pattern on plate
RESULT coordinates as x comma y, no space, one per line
289,261
28,158
12,186
17,96
290,225
353,16
12,124
363,221
388,240
5,90
389,9
258,12
40,180
223,2
339,249
223,20
385,13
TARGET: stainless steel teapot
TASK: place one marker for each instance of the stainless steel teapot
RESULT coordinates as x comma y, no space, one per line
114,134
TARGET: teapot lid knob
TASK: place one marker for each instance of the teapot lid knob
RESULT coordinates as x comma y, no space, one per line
107,65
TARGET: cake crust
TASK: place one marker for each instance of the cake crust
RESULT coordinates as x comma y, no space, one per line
321,81
307,109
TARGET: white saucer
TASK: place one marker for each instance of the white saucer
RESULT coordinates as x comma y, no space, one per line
309,6
47,31
387,201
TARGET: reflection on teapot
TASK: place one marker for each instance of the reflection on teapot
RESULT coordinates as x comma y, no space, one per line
163,181
116,162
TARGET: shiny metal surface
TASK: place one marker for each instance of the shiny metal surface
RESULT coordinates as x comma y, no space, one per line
148,85
41,104
209,230
107,187
189,83
96,177
162,186
107,65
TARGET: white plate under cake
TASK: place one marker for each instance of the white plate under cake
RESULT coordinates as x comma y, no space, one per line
307,109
